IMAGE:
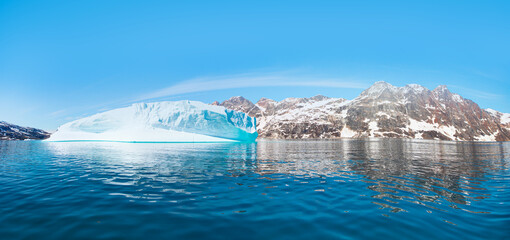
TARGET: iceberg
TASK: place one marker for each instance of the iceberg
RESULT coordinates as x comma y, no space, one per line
179,121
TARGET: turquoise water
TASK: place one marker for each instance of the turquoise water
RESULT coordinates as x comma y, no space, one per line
360,189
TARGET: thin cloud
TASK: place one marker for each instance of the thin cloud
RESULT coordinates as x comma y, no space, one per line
58,113
245,81
478,93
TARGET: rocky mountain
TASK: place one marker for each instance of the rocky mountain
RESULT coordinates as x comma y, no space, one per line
382,110
14,132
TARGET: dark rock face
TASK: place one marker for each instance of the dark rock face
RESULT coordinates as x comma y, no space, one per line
241,104
13,132
382,110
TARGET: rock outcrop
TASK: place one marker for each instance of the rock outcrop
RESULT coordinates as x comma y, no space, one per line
14,132
382,110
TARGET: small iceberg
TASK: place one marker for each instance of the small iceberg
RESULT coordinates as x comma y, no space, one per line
179,121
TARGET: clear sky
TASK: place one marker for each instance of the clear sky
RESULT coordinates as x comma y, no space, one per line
61,60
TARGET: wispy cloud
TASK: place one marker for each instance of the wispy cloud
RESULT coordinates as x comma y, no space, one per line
58,113
477,93
204,84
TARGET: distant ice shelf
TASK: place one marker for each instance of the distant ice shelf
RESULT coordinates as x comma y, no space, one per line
180,121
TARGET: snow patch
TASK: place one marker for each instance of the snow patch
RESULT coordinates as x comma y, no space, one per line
420,126
373,128
347,133
457,98
487,138
505,118
492,111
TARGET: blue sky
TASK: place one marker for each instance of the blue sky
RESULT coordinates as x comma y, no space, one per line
61,60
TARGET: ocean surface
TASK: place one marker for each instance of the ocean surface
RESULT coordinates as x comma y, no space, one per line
342,189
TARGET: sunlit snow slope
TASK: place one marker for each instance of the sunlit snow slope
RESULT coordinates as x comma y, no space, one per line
181,121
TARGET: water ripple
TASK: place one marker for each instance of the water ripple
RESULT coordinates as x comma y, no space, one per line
270,189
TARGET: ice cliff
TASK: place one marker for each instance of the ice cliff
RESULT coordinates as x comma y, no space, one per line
181,121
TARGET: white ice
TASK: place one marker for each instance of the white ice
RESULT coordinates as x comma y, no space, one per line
181,121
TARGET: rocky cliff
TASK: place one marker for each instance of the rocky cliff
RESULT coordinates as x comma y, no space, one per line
382,110
14,132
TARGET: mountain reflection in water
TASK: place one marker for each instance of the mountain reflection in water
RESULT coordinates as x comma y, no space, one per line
270,189
422,172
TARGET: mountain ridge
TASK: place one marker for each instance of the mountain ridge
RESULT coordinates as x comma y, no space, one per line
382,110
9,131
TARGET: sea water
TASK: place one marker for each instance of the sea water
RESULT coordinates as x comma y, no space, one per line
362,189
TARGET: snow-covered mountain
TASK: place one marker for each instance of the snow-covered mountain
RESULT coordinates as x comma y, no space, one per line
382,110
14,132
181,121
